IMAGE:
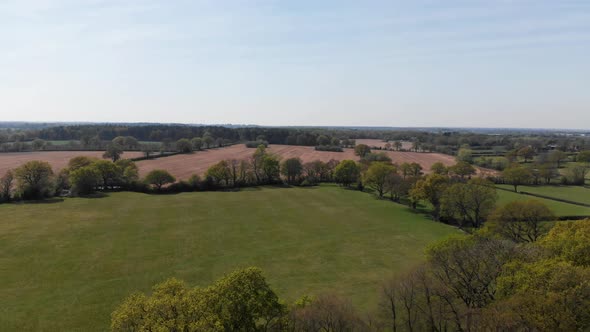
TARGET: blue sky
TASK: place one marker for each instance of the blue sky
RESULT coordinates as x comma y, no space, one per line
389,63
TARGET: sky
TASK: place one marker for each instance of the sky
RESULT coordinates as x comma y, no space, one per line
522,64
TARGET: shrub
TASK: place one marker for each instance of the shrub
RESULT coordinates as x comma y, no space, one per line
331,148
256,144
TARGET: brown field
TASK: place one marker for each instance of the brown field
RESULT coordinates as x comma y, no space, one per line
381,144
183,166
57,159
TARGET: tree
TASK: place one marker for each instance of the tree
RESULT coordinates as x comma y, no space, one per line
241,301
469,267
208,140
557,156
79,162
271,168
430,189
347,173
439,168
159,178
583,157
220,174
323,140
257,161
113,151
109,173
183,145
378,176
517,175
35,180
465,155
522,221
197,143
526,152
38,144
469,202
570,241
84,180
291,169
128,171
397,145
547,172
362,150
462,169
6,183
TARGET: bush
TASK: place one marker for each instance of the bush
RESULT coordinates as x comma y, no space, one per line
331,148
256,144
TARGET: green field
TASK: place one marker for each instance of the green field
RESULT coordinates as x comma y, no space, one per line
64,266
559,208
572,193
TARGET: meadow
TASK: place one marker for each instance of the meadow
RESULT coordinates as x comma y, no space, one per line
559,208
577,194
65,265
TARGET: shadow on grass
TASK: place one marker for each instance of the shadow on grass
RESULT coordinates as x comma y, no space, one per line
42,201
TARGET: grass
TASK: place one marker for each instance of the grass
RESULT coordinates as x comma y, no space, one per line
559,208
572,193
64,266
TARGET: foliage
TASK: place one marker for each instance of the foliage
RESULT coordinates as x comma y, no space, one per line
159,178
34,180
570,241
347,173
6,184
522,221
113,151
292,169
378,176
84,180
462,169
362,150
439,168
184,145
469,203
241,301
517,175
431,189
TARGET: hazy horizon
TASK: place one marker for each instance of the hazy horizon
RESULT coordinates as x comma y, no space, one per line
498,64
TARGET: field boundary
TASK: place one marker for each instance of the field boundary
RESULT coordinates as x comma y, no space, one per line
555,199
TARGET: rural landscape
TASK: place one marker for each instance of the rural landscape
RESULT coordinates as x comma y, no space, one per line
313,228
294,166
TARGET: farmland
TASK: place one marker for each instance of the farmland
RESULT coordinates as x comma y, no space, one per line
559,208
381,143
571,193
57,159
183,166
66,265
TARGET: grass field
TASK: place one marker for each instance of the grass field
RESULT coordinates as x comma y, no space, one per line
64,266
559,208
572,193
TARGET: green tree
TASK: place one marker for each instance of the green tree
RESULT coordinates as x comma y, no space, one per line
38,144
465,155
469,203
378,176
430,189
517,175
113,152
557,157
521,221
292,169
241,301
323,140
159,178
271,168
6,183
439,168
570,241
84,180
208,140
183,145
197,143
79,162
35,180
108,171
462,169
526,152
362,150
347,172
219,174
